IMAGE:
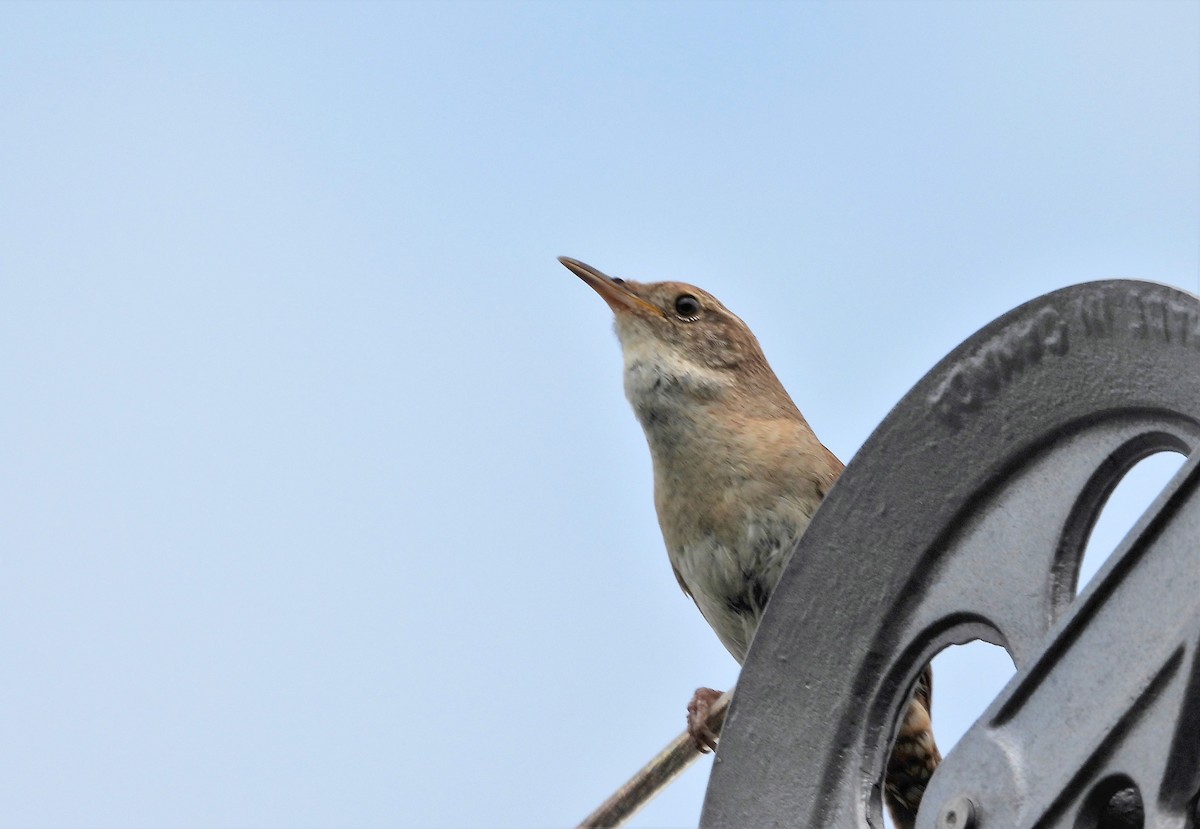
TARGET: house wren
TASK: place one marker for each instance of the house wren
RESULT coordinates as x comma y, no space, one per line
738,474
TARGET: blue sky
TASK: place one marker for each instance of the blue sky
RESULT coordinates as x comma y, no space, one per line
321,503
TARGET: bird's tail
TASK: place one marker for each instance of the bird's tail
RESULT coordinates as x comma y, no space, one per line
915,756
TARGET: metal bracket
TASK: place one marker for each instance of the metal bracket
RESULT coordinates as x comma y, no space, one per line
965,516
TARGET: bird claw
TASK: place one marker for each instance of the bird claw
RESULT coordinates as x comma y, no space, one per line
704,738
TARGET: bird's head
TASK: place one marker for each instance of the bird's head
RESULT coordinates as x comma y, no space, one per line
678,337
673,318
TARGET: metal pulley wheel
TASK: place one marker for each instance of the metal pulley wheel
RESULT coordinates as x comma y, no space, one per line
963,517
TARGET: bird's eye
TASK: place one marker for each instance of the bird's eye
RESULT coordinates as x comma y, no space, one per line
687,306
618,280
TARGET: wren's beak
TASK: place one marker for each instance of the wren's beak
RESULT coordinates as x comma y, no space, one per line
612,291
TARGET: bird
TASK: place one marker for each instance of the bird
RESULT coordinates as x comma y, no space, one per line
738,474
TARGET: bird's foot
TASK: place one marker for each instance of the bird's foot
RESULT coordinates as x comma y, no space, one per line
698,710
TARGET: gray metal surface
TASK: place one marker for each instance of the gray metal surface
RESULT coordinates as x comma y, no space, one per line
965,516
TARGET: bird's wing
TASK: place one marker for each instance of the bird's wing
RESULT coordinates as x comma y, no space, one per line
682,584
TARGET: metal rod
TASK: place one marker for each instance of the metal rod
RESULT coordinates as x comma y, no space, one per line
655,776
